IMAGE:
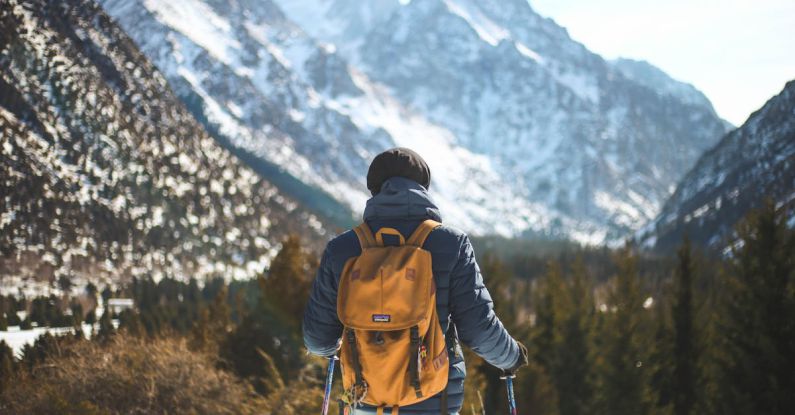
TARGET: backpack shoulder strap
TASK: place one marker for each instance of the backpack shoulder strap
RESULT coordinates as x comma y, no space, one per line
365,235
421,233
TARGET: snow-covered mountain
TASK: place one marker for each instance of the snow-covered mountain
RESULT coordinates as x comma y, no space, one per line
748,165
269,89
526,131
104,175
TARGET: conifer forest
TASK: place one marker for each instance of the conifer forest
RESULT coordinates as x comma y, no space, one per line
609,332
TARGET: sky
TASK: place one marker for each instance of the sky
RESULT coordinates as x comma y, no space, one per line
740,53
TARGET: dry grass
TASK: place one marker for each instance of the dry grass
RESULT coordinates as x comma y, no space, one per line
130,376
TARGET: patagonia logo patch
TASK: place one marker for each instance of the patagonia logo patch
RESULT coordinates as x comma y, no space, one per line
382,318
355,275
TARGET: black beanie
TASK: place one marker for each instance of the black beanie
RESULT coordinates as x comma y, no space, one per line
397,162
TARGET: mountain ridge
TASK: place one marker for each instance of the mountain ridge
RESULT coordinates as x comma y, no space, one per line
522,123
748,165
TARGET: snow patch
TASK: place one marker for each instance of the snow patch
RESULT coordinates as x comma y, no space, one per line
199,23
486,29
524,50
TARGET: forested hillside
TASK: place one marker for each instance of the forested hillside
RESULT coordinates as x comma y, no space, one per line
104,175
749,165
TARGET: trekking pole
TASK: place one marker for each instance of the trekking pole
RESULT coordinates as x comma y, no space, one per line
329,380
509,387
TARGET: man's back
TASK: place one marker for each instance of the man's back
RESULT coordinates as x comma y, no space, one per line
403,204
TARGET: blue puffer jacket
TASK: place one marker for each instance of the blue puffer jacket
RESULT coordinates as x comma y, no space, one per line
461,296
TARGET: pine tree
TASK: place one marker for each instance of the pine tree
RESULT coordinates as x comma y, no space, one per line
77,313
573,369
26,324
685,352
550,295
288,281
11,312
624,377
200,338
106,329
549,298
661,356
91,291
261,331
129,321
213,324
758,361
91,317
107,293
501,286
507,300
6,365
220,312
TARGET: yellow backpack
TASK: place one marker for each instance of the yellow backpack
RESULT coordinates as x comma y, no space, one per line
393,350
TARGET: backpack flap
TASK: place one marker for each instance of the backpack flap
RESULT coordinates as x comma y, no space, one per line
386,288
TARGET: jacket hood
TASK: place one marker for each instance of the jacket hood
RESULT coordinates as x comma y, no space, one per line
401,198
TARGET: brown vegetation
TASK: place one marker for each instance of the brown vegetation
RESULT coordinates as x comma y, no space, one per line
130,376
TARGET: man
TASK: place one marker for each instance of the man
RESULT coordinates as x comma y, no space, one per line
399,180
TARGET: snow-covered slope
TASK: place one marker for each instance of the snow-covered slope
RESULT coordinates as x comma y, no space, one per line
104,175
750,164
525,130
269,89
588,139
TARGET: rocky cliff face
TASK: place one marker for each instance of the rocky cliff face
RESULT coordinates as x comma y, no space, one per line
754,163
527,132
104,174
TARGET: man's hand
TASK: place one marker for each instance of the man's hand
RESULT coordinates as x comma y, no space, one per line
522,361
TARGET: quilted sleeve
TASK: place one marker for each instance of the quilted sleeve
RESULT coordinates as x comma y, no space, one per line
472,311
321,327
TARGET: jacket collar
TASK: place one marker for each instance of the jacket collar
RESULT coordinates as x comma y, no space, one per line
401,198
